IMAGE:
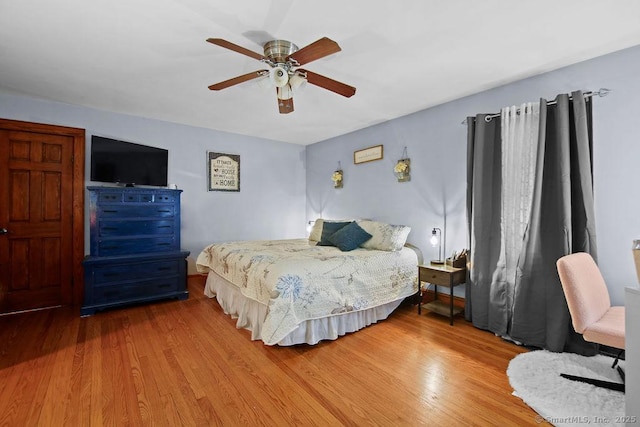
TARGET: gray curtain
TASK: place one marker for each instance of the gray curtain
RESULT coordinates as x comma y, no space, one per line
485,305
535,312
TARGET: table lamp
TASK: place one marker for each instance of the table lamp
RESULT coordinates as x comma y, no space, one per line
436,240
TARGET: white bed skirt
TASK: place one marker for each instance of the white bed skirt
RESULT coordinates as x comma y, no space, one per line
250,315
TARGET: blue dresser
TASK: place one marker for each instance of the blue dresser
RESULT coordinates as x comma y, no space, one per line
135,251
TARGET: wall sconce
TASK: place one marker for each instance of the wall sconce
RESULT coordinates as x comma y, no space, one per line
402,169
436,240
337,177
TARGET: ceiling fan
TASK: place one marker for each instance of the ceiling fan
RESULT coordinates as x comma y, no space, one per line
284,58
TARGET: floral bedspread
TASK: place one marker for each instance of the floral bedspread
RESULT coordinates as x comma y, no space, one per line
299,281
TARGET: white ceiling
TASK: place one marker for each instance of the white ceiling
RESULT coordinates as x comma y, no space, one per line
149,58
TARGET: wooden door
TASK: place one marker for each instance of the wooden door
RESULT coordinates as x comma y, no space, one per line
38,215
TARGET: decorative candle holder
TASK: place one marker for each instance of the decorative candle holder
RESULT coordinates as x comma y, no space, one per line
337,178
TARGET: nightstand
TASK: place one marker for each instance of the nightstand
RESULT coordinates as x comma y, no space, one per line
441,275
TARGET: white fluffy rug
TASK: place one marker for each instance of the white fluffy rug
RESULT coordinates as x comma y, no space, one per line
535,378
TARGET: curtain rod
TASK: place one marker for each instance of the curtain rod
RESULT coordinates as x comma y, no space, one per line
600,92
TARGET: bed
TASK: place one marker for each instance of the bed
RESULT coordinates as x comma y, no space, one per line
297,291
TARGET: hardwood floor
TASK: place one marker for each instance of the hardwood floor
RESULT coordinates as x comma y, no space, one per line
184,363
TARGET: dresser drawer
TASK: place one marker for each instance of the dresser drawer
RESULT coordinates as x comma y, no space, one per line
134,197
136,211
111,247
110,197
146,270
165,198
436,277
141,290
136,227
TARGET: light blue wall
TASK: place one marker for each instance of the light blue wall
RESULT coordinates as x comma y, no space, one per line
271,201
278,178
436,144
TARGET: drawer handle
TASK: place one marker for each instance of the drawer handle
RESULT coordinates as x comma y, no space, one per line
110,211
109,228
165,285
164,268
164,211
164,226
164,244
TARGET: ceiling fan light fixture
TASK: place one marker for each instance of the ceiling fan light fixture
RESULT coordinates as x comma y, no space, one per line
283,59
285,92
297,81
279,76
264,83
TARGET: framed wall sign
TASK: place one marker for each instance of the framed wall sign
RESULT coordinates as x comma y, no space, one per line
224,171
368,154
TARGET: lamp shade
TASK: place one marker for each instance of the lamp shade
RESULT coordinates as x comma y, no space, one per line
279,76
265,83
285,92
436,240
297,81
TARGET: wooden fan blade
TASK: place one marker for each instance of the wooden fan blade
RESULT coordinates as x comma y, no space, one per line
329,84
285,105
237,80
236,48
316,50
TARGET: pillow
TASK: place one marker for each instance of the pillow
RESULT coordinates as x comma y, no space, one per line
315,235
316,231
349,237
385,237
328,228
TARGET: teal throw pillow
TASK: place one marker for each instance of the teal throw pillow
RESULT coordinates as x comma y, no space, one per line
349,237
328,228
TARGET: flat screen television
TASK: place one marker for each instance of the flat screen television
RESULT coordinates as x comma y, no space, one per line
127,163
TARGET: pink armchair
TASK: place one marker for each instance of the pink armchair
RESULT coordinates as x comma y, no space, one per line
590,307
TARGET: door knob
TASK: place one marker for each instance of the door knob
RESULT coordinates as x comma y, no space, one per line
3,231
